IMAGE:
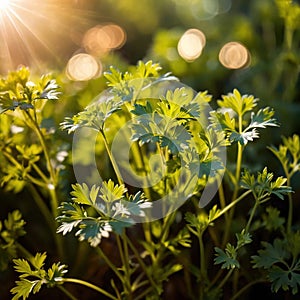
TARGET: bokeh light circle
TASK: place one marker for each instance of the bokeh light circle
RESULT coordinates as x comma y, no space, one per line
82,67
101,39
191,44
234,55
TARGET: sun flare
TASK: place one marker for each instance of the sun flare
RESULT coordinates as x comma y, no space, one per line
31,31
4,4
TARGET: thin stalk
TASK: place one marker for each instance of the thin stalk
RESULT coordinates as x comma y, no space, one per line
43,208
202,257
232,204
40,173
109,263
236,186
168,221
37,182
138,157
138,285
119,297
202,266
24,251
67,293
142,264
244,288
290,212
147,232
252,215
143,294
18,165
127,267
53,179
48,216
222,199
91,286
222,283
112,160
216,278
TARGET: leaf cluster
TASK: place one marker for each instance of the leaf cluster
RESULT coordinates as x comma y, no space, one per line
232,117
262,186
288,154
98,210
228,258
10,230
34,275
17,91
281,261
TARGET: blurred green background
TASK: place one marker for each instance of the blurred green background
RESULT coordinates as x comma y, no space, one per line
46,35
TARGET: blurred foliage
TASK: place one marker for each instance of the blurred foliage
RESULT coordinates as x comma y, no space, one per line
268,28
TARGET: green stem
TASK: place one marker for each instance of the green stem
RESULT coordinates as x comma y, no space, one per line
20,166
222,283
43,208
202,267
24,251
109,263
112,160
40,173
49,218
222,199
202,258
168,221
36,181
67,293
53,181
290,212
142,264
252,215
138,285
127,267
232,204
236,186
89,285
245,287
143,294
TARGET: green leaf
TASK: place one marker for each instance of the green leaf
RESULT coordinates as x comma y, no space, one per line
262,185
39,260
262,118
228,259
24,287
55,274
22,266
93,116
238,103
81,194
271,255
110,191
284,279
272,220
16,91
289,155
51,278
93,230
243,239
281,261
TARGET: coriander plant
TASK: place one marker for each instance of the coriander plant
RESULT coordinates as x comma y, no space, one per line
175,196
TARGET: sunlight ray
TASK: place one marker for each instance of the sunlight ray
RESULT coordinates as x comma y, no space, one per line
32,31
5,52
21,35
